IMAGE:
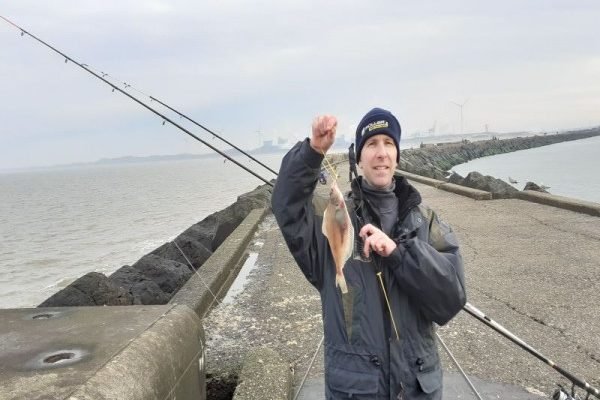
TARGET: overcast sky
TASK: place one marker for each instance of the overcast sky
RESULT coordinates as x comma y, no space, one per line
262,69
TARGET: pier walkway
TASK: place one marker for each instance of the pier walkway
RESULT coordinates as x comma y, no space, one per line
532,268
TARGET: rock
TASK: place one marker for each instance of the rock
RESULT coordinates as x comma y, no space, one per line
215,228
535,187
92,289
498,188
455,178
169,275
156,277
433,160
143,289
193,249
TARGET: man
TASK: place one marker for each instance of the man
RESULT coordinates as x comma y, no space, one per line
406,274
352,161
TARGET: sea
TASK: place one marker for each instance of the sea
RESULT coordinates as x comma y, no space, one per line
58,224
570,169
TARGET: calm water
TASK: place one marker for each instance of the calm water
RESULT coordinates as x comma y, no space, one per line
57,225
570,169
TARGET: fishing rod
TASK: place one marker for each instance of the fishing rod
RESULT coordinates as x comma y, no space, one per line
473,311
165,118
212,133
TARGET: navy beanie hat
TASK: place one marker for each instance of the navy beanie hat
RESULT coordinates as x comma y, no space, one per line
375,122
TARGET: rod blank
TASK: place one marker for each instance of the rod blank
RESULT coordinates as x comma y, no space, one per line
165,118
473,311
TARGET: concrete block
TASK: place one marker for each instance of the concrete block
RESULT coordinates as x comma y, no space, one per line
265,375
466,191
449,187
76,353
567,203
419,178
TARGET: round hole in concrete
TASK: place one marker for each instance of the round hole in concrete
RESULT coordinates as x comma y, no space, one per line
58,358
42,316
54,358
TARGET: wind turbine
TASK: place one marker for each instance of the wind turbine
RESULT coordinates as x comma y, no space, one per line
461,113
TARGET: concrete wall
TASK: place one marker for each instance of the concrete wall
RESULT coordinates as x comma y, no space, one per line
202,290
76,353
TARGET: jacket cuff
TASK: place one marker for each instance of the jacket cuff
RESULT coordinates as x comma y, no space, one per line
312,158
394,260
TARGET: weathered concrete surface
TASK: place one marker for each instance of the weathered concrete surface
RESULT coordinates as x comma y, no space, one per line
277,309
532,268
266,375
149,352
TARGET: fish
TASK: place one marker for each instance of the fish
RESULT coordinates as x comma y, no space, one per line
337,228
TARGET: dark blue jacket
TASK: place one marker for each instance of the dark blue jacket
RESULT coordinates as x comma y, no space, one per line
423,277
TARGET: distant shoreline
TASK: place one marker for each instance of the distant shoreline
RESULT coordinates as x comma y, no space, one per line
406,143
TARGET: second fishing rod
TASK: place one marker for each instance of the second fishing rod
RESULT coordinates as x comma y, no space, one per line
165,118
476,313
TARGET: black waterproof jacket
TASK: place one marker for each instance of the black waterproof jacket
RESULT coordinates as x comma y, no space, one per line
423,278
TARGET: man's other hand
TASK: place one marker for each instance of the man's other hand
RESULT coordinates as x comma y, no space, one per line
374,239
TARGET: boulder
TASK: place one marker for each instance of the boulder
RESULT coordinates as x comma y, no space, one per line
143,289
169,275
193,250
215,228
92,289
535,187
498,188
455,178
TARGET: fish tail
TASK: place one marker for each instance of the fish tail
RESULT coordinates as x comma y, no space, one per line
341,282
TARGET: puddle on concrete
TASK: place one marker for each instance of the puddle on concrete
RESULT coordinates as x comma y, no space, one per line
240,281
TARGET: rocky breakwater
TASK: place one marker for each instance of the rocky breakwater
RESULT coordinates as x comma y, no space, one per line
435,161
157,276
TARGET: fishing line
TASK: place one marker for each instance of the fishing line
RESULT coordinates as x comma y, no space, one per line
455,361
388,305
309,367
198,274
165,118
332,170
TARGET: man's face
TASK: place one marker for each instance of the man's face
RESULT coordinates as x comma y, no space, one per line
378,160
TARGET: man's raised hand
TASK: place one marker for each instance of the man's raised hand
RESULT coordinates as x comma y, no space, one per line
323,133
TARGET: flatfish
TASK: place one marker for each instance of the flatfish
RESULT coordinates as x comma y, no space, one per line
338,229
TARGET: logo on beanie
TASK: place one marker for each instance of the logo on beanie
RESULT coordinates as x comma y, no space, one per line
375,125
